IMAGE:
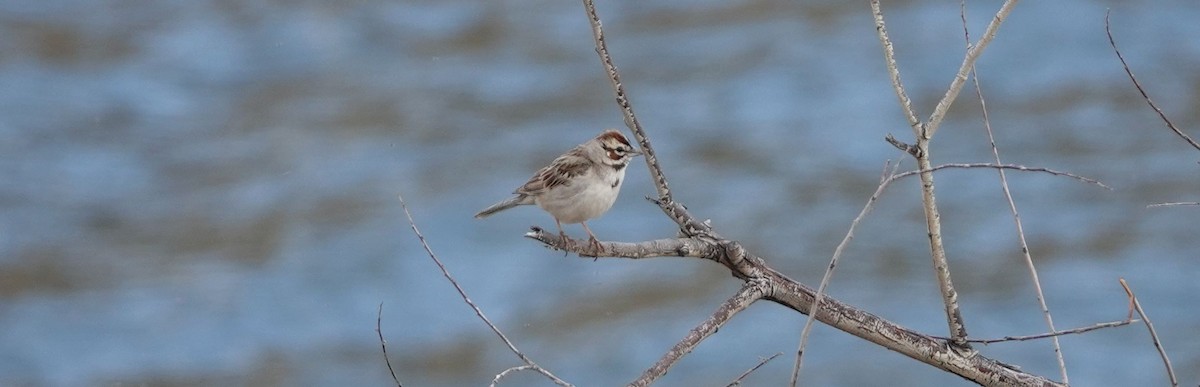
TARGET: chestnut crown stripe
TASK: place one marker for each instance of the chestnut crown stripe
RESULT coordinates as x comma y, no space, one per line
614,135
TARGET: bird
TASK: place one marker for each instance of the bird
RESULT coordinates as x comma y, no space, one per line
577,186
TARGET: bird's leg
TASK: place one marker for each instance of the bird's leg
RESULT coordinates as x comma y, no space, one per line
566,240
592,238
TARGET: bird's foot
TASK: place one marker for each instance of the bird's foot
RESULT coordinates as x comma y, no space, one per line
595,244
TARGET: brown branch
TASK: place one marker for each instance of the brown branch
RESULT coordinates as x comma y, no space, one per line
1138,85
738,381
383,344
671,247
1153,335
478,312
749,293
1005,166
610,69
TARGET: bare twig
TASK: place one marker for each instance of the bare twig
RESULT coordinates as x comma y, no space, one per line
750,292
1173,204
1153,335
1005,166
478,312
671,247
889,172
924,133
910,149
610,69
1138,85
738,381
889,56
1089,328
1012,206
968,63
501,375
383,344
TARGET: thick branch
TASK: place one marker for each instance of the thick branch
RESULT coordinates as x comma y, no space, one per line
967,364
929,350
671,247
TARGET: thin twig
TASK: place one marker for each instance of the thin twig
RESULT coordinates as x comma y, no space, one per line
1012,206
910,149
889,57
748,294
1006,166
1173,204
501,375
383,344
738,381
889,173
1153,335
478,312
1111,324
1138,85
610,69
943,106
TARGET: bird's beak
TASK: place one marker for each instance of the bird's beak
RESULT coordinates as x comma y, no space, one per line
635,152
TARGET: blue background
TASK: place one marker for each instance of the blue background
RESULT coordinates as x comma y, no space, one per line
204,192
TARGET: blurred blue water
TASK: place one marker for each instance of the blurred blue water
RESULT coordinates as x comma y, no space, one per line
204,193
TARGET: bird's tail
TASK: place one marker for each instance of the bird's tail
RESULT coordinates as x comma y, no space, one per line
504,205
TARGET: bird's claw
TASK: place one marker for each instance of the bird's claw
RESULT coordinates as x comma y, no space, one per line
595,244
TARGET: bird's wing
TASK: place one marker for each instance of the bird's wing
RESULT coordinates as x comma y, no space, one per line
558,173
